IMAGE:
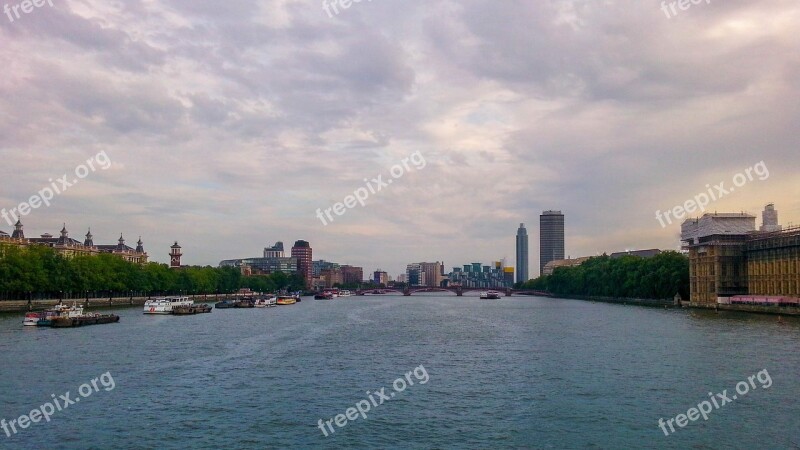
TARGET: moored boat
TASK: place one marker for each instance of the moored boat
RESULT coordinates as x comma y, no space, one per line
59,311
88,319
225,304
323,296
286,300
345,293
266,301
490,295
32,319
164,305
245,303
200,308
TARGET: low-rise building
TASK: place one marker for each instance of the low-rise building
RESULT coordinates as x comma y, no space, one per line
551,266
262,266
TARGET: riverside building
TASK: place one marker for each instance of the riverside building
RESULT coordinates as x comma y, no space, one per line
728,257
69,247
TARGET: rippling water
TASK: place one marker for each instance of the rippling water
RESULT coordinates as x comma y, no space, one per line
513,373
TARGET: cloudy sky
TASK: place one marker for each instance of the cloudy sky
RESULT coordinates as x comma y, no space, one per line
229,123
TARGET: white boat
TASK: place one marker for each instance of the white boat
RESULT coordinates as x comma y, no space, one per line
32,319
265,302
164,305
345,293
490,295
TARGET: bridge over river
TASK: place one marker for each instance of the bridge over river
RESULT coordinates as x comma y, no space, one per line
458,290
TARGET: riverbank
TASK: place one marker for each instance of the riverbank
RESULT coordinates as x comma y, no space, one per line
756,309
653,303
16,306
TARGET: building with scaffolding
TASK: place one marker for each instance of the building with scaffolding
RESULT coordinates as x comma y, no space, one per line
729,258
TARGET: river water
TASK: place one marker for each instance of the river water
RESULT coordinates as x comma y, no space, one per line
513,373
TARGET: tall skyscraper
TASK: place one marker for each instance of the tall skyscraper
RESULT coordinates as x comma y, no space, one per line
769,219
302,251
522,254
551,238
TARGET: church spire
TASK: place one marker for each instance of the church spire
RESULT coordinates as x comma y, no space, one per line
18,233
89,242
140,246
64,239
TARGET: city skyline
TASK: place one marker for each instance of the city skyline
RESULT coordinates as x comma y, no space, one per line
564,114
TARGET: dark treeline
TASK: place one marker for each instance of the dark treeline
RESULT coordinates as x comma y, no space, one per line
660,277
40,271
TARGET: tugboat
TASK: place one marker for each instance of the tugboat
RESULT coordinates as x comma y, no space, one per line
490,295
47,318
324,296
164,305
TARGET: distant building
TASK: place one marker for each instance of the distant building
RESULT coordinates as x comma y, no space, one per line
415,275
476,275
263,266
640,253
551,266
318,266
331,277
522,254
769,219
174,255
352,275
551,238
434,273
380,277
508,275
302,251
276,251
68,247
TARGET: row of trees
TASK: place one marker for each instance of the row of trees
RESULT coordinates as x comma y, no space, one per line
659,277
40,271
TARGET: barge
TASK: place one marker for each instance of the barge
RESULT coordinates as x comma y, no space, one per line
89,319
189,310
